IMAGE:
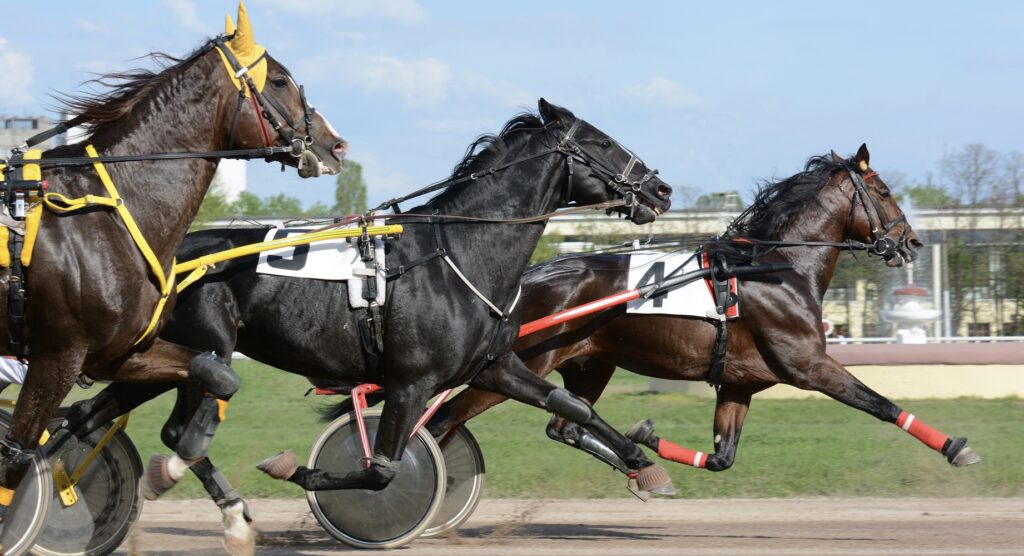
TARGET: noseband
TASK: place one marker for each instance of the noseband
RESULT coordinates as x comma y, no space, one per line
619,181
260,101
881,244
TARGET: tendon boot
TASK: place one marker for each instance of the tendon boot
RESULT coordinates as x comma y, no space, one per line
577,437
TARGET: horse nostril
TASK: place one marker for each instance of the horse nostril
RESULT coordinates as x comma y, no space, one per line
664,191
341,149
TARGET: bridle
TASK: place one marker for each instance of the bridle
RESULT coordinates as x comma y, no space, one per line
629,190
881,244
567,146
299,144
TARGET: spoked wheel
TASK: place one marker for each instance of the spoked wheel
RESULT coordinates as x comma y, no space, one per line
27,512
464,463
108,496
388,518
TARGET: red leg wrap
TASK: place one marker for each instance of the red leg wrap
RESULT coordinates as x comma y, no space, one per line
674,452
931,437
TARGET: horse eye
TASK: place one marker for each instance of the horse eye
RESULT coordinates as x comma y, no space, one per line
279,82
606,143
884,192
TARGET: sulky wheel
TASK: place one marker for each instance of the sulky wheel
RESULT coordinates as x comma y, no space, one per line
464,463
27,512
108,497
388,518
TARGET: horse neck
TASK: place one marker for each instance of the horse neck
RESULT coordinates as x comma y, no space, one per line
824,219
180,115
494,256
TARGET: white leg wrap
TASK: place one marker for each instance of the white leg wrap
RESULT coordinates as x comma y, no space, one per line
176,467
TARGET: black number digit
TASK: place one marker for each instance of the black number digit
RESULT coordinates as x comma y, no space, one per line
298,258
654,274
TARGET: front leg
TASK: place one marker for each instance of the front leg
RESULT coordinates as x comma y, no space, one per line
510,377
404,404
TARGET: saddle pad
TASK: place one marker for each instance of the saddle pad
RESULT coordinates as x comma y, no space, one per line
333,259
692,300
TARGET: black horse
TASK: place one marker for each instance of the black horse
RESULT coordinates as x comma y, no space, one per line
437,333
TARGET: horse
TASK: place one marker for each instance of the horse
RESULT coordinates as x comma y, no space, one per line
437,332
778,338
97,282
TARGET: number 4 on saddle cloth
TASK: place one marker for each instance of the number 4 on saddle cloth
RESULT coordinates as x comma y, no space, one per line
715,298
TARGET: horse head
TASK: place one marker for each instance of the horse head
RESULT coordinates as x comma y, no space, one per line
875,217
269,108
603,170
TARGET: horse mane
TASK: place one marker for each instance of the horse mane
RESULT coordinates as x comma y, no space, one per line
776,202
124,90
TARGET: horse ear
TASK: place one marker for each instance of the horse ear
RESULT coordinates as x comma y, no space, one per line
554,114
863,158
837,159
243,43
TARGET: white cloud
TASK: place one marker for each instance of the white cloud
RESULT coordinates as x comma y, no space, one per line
91,27
16,69
380,180
185,13
475,85
402,11
662,91
418,82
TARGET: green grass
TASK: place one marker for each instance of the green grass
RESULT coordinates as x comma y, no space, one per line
789,447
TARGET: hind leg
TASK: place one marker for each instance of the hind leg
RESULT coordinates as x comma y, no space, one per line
827,376
730,410
510,377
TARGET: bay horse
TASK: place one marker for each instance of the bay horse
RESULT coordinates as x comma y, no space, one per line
92,286
778,339
438,334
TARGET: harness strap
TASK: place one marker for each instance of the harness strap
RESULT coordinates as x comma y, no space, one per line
61,204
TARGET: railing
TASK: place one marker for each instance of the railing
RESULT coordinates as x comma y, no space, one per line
930,340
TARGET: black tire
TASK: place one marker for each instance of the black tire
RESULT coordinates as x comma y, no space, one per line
392,517
108,504
27,513
464,465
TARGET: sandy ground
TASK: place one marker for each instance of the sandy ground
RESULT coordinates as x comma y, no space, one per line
797,526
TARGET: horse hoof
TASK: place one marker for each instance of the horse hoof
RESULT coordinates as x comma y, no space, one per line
641,432
281,466
158,479
654,479
959,454
239,536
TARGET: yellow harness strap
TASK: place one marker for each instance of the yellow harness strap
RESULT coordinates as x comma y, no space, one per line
61,204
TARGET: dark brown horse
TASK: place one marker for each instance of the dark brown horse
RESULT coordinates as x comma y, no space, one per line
91,292
778,338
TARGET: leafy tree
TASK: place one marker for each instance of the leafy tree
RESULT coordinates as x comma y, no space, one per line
719,200
350,192
546,248
282,205
215,205
318,209
247,204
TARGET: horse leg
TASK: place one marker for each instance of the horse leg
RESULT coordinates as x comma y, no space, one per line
403,406
730,411
52,375
586,378
509,376
827,376
167,362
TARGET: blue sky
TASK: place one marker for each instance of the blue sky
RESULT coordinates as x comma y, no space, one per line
715,95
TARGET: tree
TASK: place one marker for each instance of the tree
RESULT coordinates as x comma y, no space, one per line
350,192
547,248
927,195
720,200
215,205
282,205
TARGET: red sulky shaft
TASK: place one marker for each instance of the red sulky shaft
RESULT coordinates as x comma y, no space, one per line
576,312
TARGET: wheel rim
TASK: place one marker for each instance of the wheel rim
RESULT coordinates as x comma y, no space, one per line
387,518
464,465
27,511
108,499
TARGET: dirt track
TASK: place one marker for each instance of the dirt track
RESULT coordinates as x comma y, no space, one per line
807,526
